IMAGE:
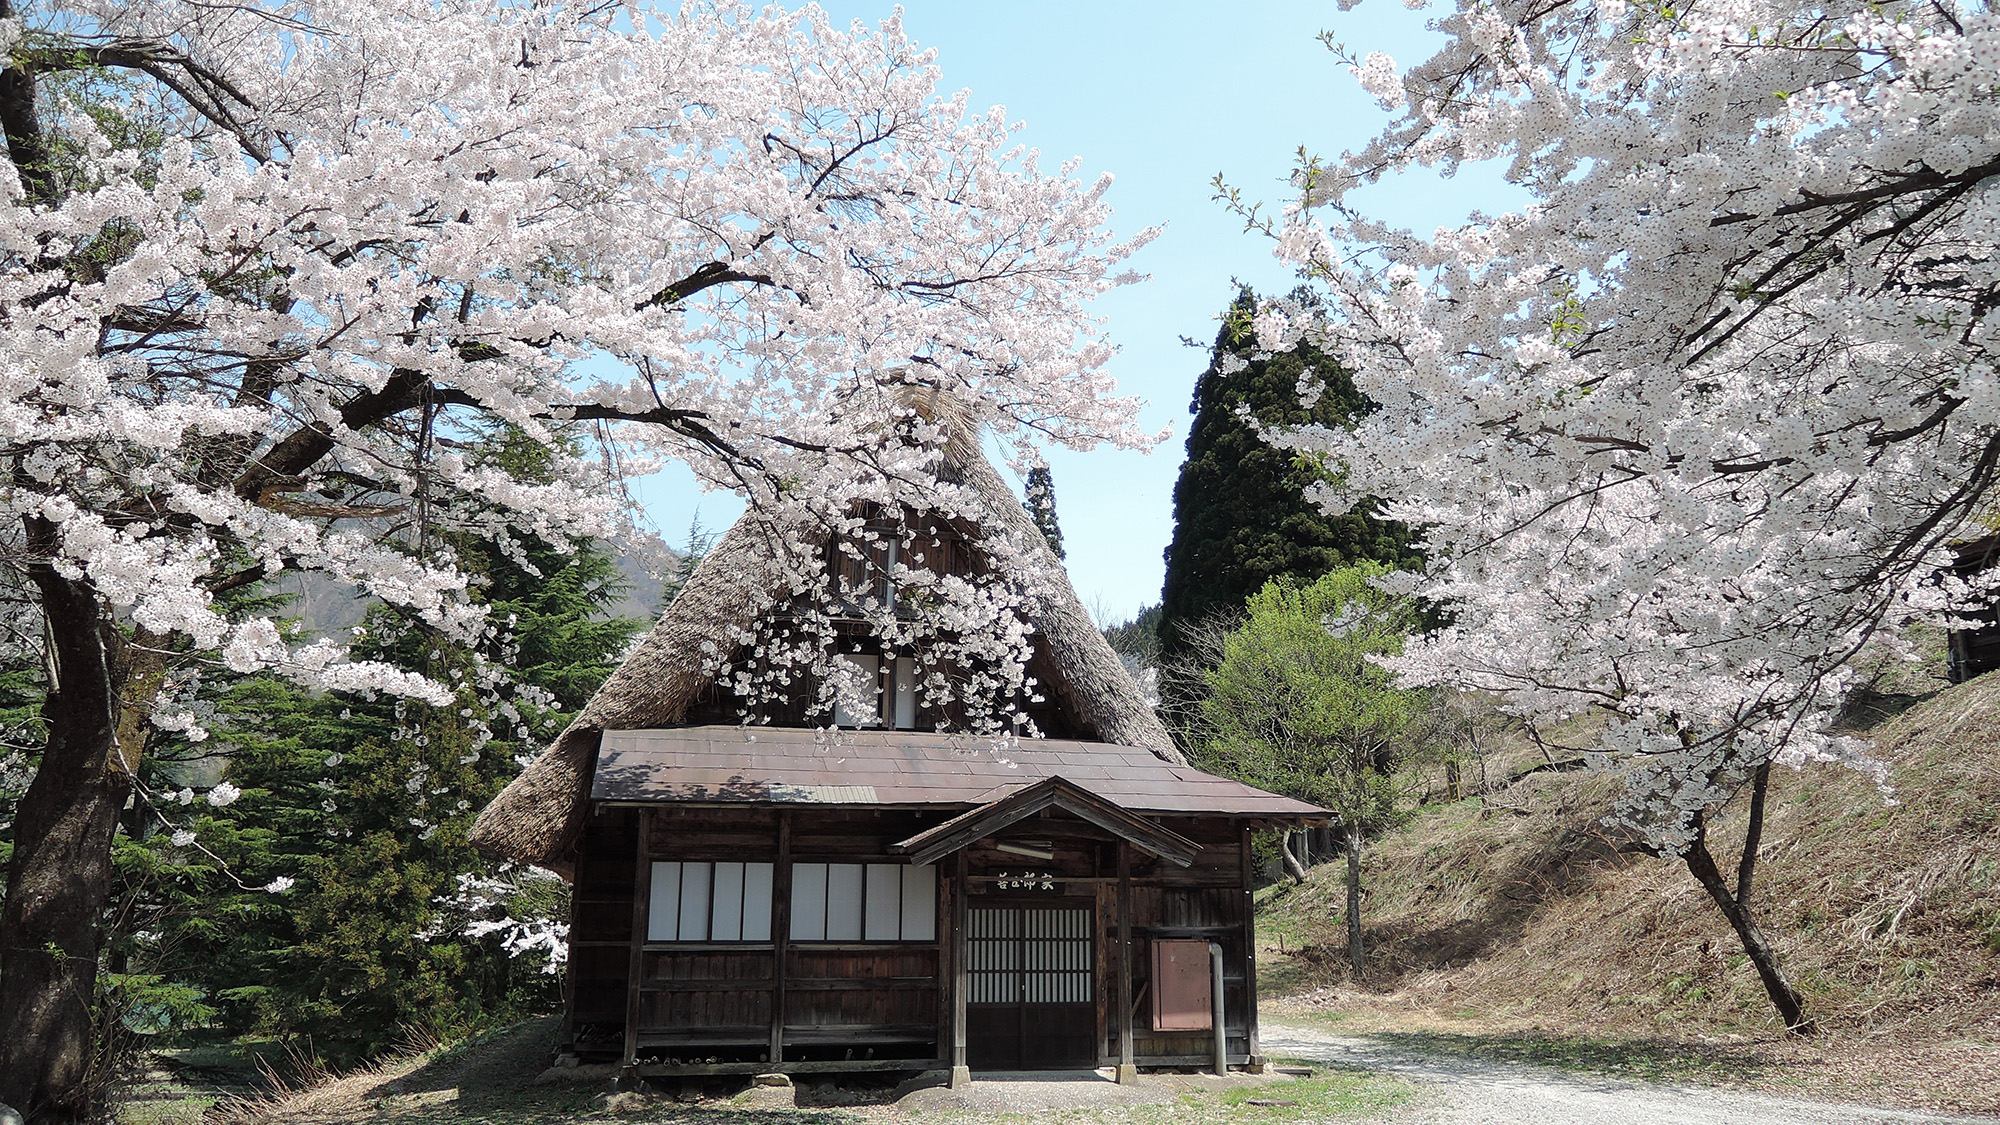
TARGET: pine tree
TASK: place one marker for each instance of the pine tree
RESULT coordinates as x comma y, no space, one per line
1137,642
1041,504
311,906
700,541
1241,517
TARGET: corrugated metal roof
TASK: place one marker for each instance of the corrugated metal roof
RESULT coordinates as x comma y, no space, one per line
765,765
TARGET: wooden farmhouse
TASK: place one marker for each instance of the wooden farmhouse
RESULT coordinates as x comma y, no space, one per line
755,892
1975,651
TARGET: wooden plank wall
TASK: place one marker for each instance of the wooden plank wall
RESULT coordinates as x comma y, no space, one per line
702,1000
877,1000
1205,902
601,931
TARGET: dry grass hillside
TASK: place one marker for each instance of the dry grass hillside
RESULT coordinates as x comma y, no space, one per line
1518,914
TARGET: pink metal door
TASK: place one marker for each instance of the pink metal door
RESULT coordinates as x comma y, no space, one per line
1181,986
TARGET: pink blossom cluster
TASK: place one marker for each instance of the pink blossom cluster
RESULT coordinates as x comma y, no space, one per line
259,330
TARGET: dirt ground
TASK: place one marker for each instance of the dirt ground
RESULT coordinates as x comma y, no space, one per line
1517,925
1931,1074
1399,1077
501,1078
1459,1088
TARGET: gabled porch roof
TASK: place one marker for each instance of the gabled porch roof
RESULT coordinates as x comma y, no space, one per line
1058,793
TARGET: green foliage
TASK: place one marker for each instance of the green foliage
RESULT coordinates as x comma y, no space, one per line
363,803
1241,516
1137,641
700,541
21,736
1040,501
1297,706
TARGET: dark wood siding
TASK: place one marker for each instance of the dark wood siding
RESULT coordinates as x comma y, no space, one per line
713,1003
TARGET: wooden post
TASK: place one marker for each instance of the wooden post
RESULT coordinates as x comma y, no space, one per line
1128,1070
961,1072
566,1035
781,935
642,893
947,963
1256,1063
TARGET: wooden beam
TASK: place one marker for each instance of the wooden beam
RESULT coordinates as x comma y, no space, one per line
1128,1071
961,1072
948,891
635,962
781,933
816,1066
936,842
566,1036
1202,1061
859,984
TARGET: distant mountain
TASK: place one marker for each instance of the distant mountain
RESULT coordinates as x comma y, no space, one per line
330,607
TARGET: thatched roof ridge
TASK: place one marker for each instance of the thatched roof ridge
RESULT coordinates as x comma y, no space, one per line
1092,680
538,817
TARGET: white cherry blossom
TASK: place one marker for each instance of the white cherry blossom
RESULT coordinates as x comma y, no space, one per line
1704,419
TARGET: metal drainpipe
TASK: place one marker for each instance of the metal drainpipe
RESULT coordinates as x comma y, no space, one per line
1215,1009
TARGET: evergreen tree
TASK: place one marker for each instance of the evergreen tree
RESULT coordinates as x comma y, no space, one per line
1041,505
316,904
1137,642
21,689
1241,516
700,541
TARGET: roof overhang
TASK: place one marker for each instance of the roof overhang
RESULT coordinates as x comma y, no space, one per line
773,766
1057,793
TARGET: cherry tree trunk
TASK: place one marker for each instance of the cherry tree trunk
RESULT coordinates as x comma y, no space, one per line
1356,957
1735,906
1293,865
59,880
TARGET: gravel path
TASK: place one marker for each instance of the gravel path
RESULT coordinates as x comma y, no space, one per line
1463,1091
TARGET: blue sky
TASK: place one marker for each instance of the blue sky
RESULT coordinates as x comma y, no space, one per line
1162,95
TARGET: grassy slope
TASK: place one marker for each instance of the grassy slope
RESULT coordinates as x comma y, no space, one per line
1516,914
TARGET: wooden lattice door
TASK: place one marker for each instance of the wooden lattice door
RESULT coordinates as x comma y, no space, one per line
1031,1000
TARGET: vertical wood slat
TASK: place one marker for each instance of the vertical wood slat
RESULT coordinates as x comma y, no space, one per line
1251,1047
642,888
1022,924
781,933
566,1035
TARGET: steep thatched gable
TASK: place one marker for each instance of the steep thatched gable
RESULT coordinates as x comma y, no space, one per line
537,818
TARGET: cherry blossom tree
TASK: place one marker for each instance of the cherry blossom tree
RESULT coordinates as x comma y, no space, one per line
1702,420
263,267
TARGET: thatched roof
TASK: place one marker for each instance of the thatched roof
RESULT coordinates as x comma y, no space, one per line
538,817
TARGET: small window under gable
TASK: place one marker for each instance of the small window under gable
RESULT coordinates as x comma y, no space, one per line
866,571
890,702
863,674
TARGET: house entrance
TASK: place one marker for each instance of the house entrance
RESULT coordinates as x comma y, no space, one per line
1031,999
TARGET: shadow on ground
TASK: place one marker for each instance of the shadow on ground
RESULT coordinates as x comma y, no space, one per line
1651,1060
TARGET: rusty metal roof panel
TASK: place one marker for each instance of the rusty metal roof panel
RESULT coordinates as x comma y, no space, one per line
779,766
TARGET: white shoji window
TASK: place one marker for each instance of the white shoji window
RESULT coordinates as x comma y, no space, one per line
700,901
863,902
